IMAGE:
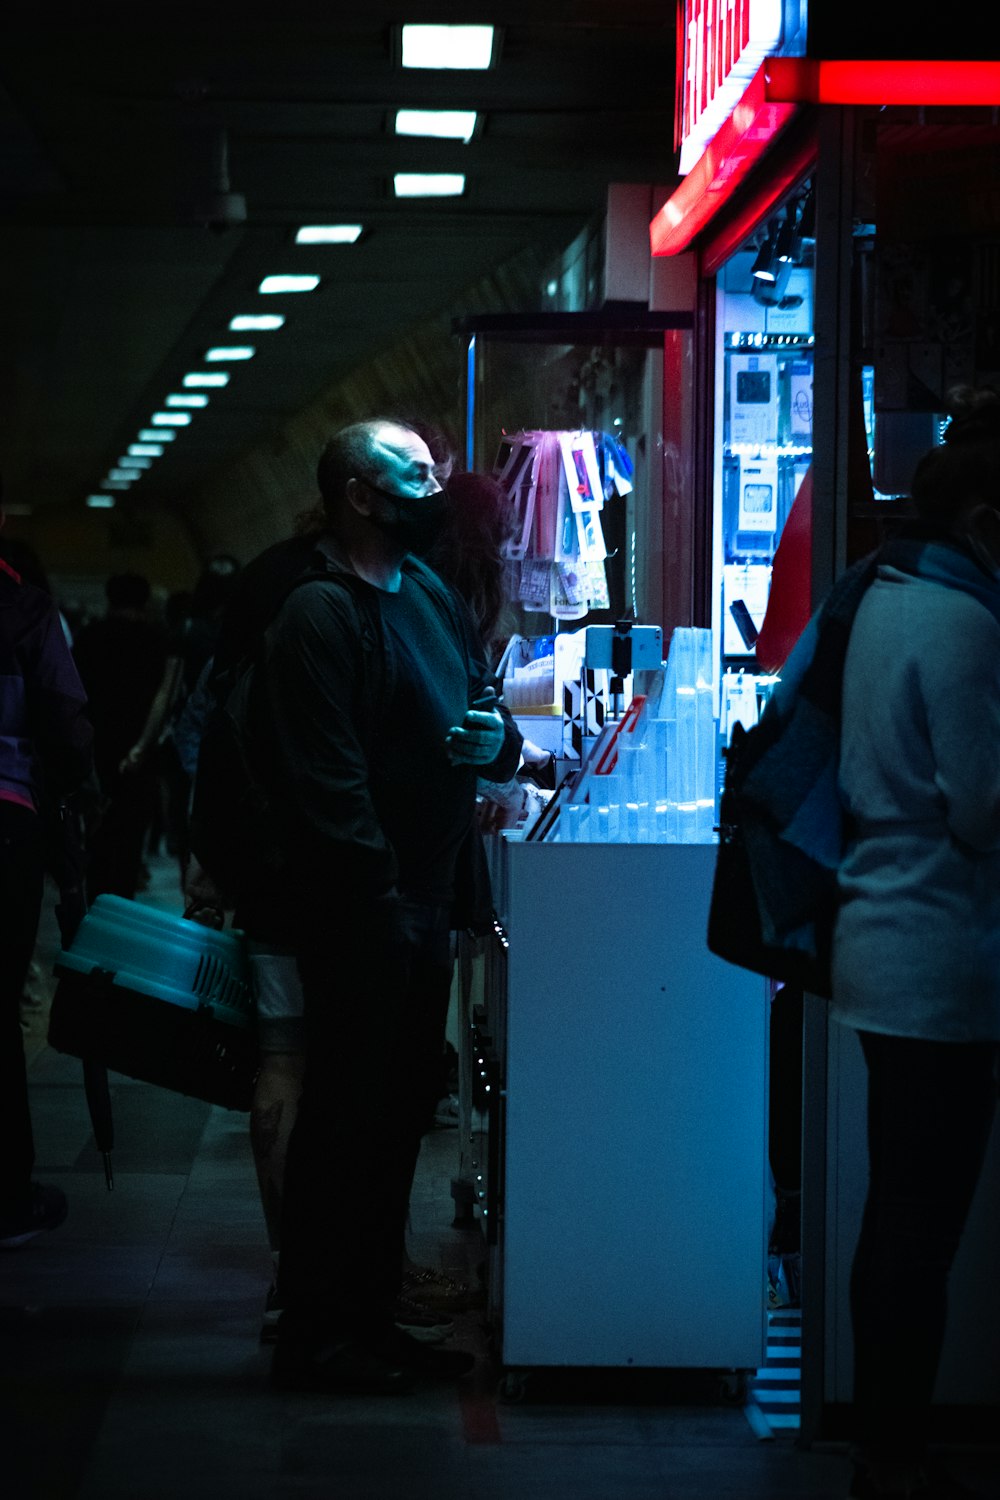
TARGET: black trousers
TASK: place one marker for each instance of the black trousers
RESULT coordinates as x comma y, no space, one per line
930,1112
376,998
21,884
115,849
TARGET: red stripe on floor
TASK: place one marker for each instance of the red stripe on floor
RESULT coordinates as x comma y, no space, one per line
478,1402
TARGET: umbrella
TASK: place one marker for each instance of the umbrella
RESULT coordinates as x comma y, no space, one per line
71,909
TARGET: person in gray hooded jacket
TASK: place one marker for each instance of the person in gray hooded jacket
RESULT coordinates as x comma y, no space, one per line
916,951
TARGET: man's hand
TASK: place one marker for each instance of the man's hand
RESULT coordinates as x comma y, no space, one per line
477,740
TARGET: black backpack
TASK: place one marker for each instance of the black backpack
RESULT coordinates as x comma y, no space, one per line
235,830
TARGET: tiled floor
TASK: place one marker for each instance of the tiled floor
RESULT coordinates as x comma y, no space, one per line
130,1365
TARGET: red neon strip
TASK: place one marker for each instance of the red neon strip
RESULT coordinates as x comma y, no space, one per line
781,176
810,80
779,87
738,145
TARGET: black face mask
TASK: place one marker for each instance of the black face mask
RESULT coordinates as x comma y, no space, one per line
418,520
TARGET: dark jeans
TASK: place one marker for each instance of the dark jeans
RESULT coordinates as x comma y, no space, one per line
376,998
930,1112
116,847
21,883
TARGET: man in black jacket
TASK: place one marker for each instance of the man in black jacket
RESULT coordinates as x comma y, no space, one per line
376,714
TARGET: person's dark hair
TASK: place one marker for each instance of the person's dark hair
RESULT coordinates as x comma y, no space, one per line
965,468
127,591
350,455
468,553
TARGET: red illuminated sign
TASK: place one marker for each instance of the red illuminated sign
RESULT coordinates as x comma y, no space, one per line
724,43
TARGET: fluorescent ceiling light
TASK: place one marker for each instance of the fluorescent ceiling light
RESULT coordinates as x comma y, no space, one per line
229,351
157,434
129,474
256,322
272,284
135,463
451,124
193,401
327,234
101,502
191,381
429,184
117,484
170,418
447,46
145,450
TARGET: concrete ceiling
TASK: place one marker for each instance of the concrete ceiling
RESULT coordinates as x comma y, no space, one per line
113,287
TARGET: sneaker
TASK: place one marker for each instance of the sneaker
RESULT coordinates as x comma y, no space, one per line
437,1292
422,1323
272,1313
46,1210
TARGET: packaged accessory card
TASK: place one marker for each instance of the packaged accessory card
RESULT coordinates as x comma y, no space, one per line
753,400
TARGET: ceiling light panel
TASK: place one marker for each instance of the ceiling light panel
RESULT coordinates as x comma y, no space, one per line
447,46
157,434
101,502
199,402
228,352
274,284
444,124
429,184
145,450
205,378
256,322
170,418
327,234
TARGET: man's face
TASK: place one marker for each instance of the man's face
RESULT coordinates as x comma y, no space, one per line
404,464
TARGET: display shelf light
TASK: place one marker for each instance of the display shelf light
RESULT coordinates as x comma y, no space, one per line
447,46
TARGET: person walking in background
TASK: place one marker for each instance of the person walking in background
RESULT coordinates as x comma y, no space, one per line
131,683
916,951
45,758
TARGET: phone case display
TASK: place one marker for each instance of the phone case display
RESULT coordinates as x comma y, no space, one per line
766,320
767,446
745,587
650,774
558,483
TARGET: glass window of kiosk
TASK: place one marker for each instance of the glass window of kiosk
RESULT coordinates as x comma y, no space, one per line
594,377
763,420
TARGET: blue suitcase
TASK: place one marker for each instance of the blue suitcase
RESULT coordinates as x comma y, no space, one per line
157,998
